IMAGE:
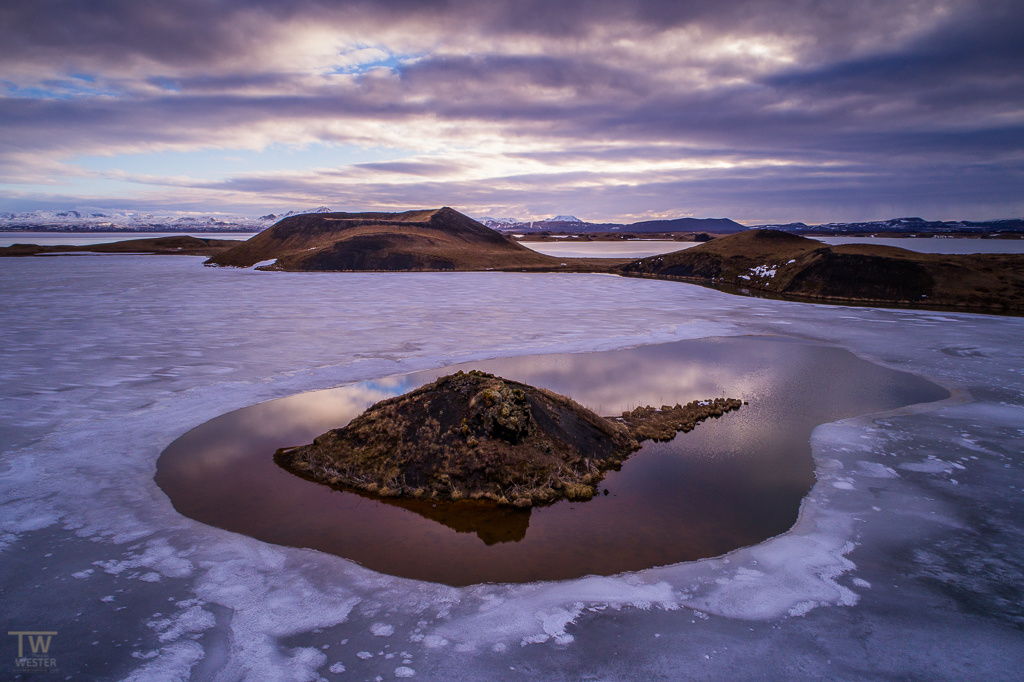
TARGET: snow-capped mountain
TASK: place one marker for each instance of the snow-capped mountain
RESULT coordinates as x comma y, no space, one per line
561,219
563,222
141,221
559,223
499,223
908,225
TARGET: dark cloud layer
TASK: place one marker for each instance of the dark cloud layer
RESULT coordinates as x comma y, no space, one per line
812,109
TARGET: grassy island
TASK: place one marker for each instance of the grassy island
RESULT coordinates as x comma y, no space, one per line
472,435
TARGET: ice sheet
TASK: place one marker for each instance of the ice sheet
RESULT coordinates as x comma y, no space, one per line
905,561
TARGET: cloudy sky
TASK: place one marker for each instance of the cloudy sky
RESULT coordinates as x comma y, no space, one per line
758,110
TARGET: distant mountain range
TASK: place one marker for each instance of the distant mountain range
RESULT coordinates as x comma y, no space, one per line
906,225
139,221
572,224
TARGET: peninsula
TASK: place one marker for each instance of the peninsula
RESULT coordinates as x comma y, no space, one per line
793,267
178,245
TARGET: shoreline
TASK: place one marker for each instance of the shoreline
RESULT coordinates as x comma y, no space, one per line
624,266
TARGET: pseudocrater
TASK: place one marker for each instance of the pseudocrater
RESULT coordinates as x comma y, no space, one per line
610,501
478,436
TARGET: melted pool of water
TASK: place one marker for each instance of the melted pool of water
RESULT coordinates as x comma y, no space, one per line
732,482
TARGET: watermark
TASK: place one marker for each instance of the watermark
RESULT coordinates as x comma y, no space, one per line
34,654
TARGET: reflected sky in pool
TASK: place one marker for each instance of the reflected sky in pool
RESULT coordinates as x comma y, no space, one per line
731,482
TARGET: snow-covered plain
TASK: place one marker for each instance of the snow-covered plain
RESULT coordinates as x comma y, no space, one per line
905,562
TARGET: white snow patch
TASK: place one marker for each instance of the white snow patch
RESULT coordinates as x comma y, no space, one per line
302,665
803,608
382,630
158,555
536,612
270,599
174,662
434,641
190,620
876,470
928,466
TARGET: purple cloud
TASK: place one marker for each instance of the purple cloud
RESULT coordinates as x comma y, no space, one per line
755,110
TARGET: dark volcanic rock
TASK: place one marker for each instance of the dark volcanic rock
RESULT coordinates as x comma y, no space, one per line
474,435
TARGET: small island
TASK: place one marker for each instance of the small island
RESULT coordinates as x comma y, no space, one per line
473,435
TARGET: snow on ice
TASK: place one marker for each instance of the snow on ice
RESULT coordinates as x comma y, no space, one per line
905,561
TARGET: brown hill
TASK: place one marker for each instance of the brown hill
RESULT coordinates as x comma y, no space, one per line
440,239
793,266
474,435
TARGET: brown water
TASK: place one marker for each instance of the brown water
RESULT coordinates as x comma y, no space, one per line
732,482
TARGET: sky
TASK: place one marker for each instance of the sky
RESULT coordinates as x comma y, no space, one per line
763,111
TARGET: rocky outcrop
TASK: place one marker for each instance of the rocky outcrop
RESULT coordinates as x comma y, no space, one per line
477,436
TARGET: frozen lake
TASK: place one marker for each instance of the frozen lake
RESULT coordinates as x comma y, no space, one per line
87,238
904,563
569,248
